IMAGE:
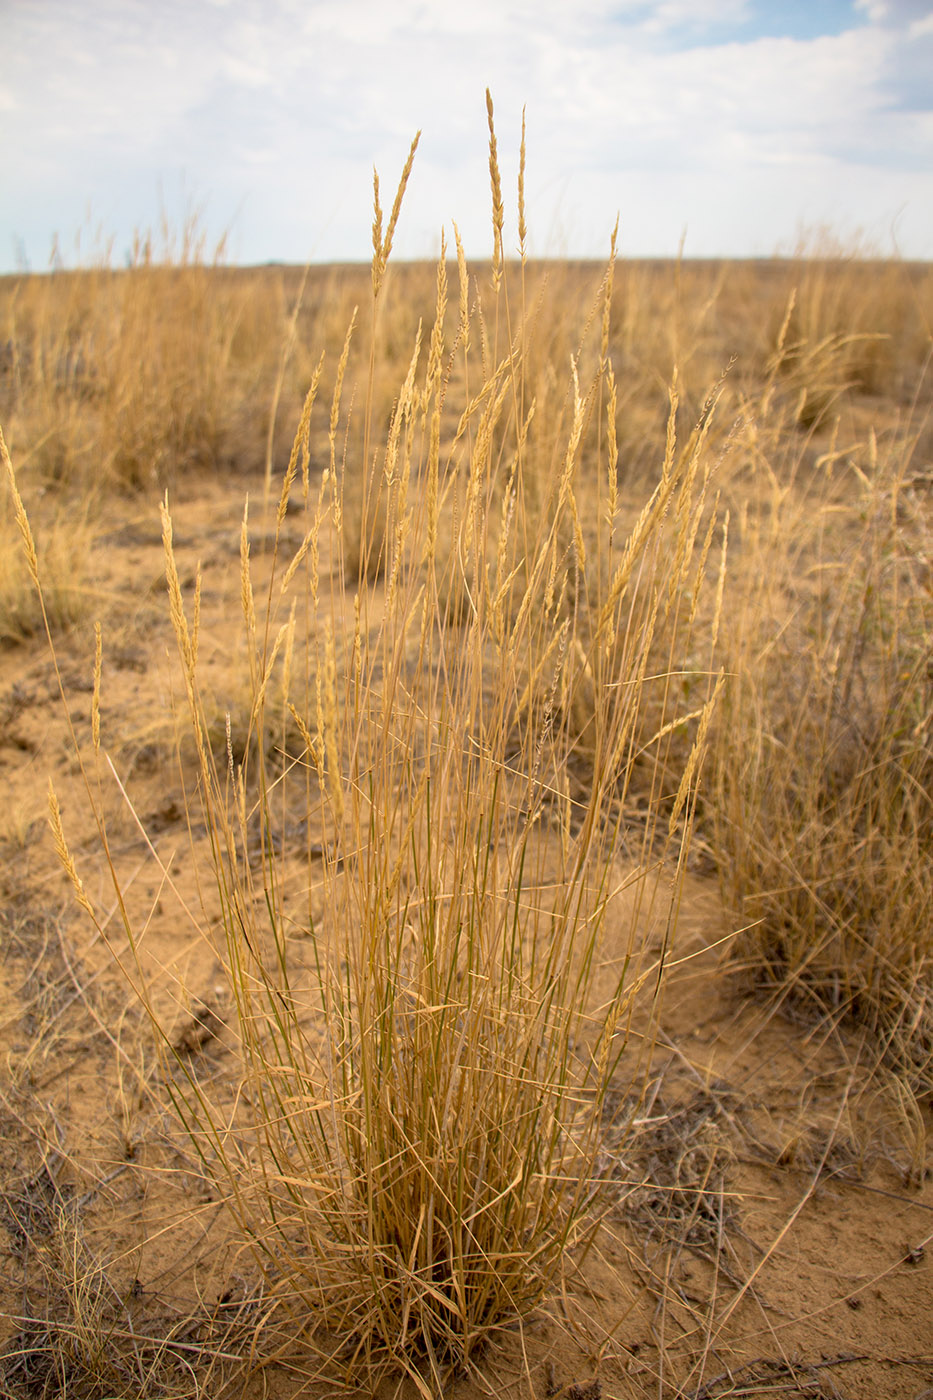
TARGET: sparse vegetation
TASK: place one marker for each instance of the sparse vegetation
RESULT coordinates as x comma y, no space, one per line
824,807
392,857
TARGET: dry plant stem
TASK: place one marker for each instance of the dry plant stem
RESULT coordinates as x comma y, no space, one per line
287,348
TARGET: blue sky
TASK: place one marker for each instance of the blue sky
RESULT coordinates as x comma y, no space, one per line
739,125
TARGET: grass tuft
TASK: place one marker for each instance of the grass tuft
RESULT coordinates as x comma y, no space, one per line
426,1003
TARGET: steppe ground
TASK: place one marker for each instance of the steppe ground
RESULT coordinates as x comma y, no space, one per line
763,1194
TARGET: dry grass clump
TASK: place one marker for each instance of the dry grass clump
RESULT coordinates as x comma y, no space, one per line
824,776
63,545
413,905
129,378
80,1322
845,330
832,330
854,323
62,541
77,1334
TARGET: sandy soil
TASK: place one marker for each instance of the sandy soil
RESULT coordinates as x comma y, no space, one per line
767,1221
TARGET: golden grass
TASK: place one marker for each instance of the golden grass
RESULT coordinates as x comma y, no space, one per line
425,1044
521,569
62,541
823,802
130,379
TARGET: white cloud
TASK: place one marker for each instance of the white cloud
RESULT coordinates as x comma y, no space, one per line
276,110
895,12
664,15
693,14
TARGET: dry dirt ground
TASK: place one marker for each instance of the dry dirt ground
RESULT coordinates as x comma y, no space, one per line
766,1218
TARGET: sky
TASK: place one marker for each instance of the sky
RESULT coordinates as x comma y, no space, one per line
738,128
